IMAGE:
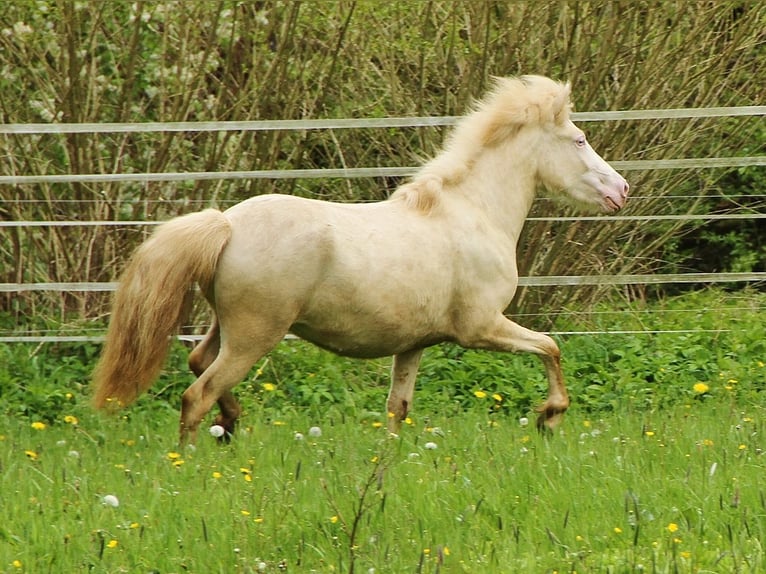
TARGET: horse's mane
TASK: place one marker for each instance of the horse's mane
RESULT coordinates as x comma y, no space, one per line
510,105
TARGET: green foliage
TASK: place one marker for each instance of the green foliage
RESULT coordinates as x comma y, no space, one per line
674,490
658,464
650,357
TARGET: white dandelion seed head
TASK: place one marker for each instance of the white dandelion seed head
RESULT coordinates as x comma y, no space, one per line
430,446
217,431
74,454
315,432
110,500
523,421
298,436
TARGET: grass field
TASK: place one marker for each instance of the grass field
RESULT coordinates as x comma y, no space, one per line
667,477
677,491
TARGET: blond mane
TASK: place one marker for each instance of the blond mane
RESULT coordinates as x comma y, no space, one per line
510,105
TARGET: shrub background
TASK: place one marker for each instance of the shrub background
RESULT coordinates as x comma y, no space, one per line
70,61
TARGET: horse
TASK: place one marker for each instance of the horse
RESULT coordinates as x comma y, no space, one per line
434,262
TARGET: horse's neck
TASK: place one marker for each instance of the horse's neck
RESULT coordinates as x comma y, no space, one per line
504,190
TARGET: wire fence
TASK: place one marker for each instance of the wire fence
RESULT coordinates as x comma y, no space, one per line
370,172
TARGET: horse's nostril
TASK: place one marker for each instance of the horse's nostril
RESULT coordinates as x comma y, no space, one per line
625,189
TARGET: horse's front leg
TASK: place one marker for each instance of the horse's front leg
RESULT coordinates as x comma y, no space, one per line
505,335
403,373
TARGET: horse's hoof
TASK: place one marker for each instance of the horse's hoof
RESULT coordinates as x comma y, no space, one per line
543,428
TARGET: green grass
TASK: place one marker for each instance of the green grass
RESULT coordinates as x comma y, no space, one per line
658,467
600,496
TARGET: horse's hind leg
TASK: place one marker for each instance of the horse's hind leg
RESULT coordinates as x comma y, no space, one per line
236,356
201,357
403,373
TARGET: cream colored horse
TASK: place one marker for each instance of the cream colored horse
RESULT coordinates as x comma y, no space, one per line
435,262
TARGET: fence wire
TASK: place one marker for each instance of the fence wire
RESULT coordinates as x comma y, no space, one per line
366,172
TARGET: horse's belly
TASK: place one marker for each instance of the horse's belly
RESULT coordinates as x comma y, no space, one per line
370,344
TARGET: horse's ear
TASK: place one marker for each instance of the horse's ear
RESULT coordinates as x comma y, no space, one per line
562,104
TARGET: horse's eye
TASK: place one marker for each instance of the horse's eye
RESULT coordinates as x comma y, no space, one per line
580,141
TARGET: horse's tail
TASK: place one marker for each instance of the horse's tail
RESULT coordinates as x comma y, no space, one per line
152,299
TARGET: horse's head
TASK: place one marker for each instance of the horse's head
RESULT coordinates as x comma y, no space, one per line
568,163
527,119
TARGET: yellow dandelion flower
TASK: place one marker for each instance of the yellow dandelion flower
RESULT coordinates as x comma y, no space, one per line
248,478
700,388
617,530
686,554
446,551
479,394
174,455
279,423
377,424
426,551
374,459
391,415
258,519
269,387
334,519
16,563
742,447
71,420
32,455
649,433
178,462
672,527
244,512
112,543
217,474
586,424
497,397
408,421
38,425
677,541
134,525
